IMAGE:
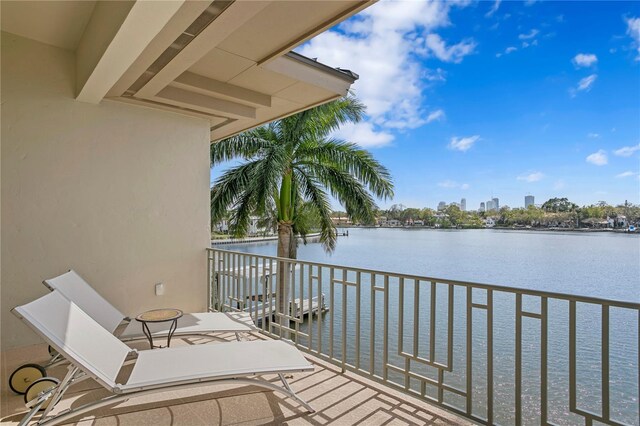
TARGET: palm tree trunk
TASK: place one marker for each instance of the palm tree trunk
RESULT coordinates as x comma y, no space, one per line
285,236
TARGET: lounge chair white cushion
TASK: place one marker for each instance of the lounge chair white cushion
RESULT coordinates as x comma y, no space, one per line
219,360
75,288
76,336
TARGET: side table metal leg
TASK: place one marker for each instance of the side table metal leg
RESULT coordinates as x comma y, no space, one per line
172,329
147,332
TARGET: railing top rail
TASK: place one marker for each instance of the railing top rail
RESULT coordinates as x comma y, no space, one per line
506,289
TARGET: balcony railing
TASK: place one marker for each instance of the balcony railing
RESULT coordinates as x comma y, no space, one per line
494,354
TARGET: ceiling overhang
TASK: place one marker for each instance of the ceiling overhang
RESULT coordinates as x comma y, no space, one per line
225,61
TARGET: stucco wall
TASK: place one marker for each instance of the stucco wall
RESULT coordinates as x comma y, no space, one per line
117,192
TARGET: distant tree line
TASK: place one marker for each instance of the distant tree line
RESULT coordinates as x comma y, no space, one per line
553,212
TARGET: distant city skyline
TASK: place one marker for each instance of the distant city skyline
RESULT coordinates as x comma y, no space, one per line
491,204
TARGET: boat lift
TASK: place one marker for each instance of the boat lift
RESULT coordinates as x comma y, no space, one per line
238,280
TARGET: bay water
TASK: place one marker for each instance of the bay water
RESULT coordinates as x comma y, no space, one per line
604,265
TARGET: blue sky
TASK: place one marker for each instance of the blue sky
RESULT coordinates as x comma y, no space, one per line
481,99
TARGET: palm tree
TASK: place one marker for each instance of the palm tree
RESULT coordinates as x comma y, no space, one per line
293,166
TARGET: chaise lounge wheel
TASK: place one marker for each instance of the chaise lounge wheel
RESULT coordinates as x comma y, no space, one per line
24,376
40,385
52,351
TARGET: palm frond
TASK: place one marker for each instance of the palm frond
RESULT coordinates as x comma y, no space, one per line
317,198
352,159
351,193
229,187
245,145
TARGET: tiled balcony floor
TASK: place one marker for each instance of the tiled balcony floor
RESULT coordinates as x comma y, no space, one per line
339,399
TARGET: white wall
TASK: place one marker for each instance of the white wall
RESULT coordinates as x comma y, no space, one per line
117,192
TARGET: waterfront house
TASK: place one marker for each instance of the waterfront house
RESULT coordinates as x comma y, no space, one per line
393,222
595,222
381,221
341,221
619,221
222,226
489,222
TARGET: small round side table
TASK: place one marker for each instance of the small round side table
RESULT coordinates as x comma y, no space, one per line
157,316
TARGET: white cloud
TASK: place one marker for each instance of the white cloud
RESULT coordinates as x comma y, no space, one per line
585,60
627,151
531,34
463,144
450,184
386,45
587,82
626,174
598,158
436,115
584,85
454,53
493,9
531,177
365,135
508,50
633,31
593,135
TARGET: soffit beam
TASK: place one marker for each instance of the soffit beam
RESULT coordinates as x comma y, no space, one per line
224,25
189,99
213,119
208,86
220,132
188,13
117,33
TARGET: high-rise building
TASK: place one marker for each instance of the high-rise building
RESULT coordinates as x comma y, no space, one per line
528,201
496,203
463,204
482,207
490,205
442,205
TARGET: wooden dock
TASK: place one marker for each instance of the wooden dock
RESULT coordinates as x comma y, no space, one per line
297,308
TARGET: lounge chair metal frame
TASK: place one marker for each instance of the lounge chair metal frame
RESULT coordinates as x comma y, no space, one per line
75,375
73,345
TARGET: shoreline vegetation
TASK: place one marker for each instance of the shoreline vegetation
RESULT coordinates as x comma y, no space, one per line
496,228
222,239
556,214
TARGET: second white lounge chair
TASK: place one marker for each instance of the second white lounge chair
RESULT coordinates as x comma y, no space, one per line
75,288
96,353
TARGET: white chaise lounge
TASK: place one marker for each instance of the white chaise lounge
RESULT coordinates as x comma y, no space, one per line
96,353
76,289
